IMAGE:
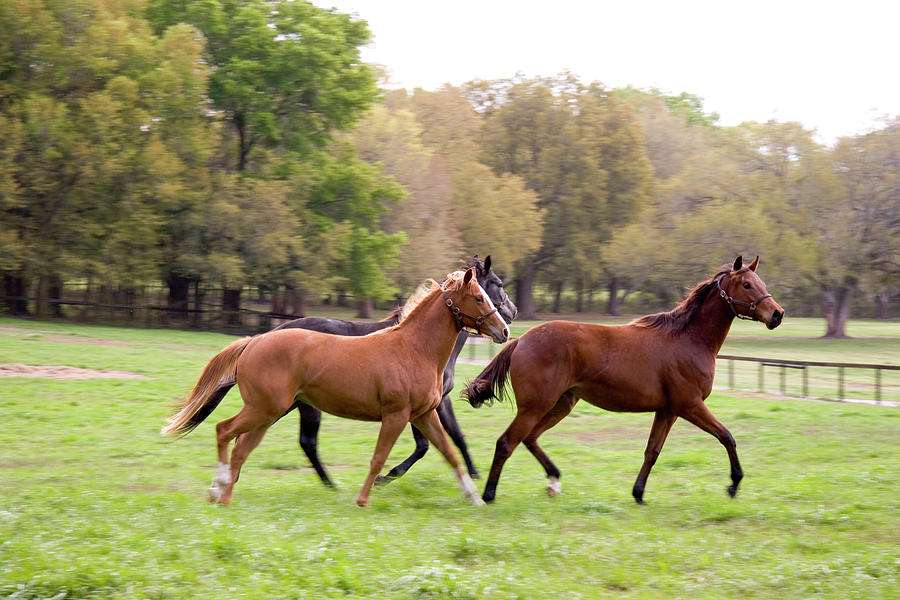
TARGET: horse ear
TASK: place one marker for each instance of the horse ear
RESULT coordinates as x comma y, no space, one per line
738,262
754,264
487,264
468,276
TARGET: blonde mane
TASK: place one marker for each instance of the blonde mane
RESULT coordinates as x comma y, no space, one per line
451,283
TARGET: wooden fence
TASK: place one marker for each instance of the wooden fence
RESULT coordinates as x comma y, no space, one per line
846,381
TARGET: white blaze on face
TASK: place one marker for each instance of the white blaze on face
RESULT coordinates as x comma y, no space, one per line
490,303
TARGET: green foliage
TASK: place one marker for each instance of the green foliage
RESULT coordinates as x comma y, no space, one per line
285,74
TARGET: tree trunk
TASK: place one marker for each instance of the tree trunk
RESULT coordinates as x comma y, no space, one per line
837,312
55,292
14,289
342,299
179,289
364,308
881,305
612,306
279,300
557,296
525,294
199,295
296,302
231,306
590,298
579,296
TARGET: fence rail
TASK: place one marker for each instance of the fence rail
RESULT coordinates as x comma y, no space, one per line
877,387
803,366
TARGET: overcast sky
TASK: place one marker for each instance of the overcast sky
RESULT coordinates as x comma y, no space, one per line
832,66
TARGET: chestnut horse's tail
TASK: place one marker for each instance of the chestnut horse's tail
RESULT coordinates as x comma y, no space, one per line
217,378
491,383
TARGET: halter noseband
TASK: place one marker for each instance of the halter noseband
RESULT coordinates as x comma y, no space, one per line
474,323
731,302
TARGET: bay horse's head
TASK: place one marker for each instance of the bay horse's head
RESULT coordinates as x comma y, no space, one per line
471,306
745,292
493,285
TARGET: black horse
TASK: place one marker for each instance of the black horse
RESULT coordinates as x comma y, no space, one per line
311,417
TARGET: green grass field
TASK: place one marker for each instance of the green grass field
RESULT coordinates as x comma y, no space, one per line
94,503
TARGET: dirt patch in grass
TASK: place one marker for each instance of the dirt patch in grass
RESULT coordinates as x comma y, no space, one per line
61,338
62,372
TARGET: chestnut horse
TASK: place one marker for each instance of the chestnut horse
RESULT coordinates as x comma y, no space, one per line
662,363
345,376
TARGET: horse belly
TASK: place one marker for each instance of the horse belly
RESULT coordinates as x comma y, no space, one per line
620,398
342,405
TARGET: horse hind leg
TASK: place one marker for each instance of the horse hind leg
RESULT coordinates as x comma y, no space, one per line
662,424
245,444
560,410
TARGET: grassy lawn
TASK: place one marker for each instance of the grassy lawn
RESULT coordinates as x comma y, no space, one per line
94,503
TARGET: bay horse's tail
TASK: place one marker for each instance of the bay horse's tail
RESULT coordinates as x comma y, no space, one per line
217,378
491,383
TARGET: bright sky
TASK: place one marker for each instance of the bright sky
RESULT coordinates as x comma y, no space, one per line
833,66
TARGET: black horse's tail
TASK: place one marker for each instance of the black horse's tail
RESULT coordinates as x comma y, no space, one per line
491,383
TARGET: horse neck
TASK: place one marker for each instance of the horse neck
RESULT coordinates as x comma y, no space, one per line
711,326
432,329
367,328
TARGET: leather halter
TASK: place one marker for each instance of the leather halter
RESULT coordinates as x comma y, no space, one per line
474,323
731,302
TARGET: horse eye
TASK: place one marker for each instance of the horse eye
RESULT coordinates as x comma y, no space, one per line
746,286
479,300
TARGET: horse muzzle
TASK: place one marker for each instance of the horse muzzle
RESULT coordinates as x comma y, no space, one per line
775,320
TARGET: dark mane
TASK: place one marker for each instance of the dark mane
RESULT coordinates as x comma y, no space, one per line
394,315
676,321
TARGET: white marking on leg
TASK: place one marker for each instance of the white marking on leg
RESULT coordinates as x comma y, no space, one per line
554,486
469,489
222,479
223,474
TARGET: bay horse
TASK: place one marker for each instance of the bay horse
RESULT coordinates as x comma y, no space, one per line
393,376
311,417
662,363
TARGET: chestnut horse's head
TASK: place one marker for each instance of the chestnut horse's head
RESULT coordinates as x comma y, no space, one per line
493,285
747,295
472,307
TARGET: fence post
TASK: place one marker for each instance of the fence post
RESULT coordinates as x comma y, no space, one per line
783,389
731,374
805,383
761,377
471,345
878,386
840,383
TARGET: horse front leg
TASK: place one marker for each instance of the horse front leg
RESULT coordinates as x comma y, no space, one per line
451,426
700,415
402,468
430,425
310,420
391,427
662,424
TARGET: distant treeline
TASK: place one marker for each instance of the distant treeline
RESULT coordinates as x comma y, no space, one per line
214,147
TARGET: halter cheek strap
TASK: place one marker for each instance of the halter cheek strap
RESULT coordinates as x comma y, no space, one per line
731,302
466,321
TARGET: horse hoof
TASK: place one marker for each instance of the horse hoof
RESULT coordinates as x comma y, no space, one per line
362,502
474,474
476,500
554,487
732,490
384,479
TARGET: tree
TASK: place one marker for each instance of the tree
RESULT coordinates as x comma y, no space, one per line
285,74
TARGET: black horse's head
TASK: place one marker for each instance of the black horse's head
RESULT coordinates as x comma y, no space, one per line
493,286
